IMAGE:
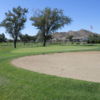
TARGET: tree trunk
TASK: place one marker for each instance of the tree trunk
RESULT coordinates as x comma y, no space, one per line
44,40
15,41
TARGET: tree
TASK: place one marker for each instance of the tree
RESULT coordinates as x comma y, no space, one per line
49,20
70,37
39,37
27,38
14,22
95,38
2,37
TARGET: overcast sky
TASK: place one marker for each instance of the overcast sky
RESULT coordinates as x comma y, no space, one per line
84,13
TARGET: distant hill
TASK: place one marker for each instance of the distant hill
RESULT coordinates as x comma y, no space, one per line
80,35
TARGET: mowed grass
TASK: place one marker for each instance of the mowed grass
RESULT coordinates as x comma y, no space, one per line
20,84
55,48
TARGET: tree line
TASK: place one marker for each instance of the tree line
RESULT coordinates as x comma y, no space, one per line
46,21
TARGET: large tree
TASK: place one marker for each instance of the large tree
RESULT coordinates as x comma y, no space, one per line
49,20
14,22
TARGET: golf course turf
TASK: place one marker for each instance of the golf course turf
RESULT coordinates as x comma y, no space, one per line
21,84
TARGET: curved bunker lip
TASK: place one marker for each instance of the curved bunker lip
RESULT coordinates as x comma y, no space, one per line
76,65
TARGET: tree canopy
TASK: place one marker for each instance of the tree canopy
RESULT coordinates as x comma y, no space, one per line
2,37
49,20
14,22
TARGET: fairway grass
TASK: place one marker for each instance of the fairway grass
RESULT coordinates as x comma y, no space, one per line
56,49
20,84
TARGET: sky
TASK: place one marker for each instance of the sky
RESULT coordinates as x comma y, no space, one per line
84,13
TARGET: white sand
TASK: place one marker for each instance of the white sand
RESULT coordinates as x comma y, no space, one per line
76,65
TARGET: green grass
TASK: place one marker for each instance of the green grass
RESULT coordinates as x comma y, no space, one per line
20,84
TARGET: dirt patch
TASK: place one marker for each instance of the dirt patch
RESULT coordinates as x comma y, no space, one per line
76,65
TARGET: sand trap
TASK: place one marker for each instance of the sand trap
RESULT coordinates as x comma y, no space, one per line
77,65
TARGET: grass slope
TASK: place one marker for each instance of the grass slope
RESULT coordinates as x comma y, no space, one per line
20,84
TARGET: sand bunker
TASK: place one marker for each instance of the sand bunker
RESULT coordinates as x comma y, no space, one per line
77,65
